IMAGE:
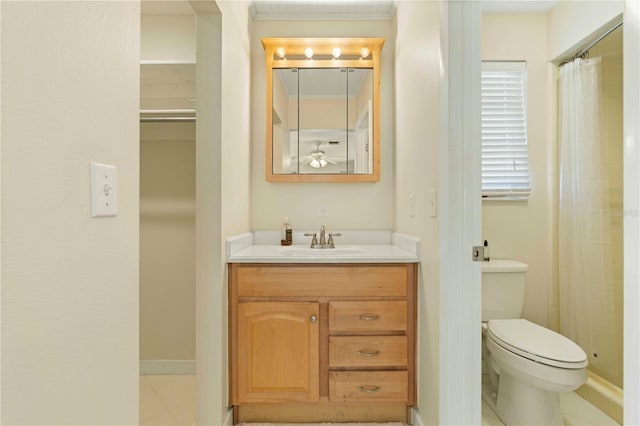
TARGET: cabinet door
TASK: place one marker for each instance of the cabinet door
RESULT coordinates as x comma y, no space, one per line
278,352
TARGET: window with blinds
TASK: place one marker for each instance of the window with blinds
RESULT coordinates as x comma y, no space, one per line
505,155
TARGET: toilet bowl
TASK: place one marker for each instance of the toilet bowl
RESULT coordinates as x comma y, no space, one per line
532,364
527,365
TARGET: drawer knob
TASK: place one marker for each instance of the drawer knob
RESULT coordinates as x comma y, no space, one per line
313,318
368,389
369,317
368,353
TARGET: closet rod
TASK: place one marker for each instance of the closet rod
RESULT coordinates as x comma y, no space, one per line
166,119
598,40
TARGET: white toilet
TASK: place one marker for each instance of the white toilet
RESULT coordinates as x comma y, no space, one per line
527,365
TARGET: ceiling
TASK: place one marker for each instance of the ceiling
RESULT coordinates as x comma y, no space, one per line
371,9
332,9
164,7
323,9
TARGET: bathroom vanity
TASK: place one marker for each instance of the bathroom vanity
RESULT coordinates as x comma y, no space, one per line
322,336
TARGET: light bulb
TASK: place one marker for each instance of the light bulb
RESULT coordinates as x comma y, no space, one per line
323,163
280,52
336,52
364,52
315,164
308,52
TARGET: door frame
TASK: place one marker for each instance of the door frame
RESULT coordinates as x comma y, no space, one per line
460,369
631,232
460,354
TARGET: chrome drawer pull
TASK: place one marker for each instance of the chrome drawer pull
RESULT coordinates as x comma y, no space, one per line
368,353
369,389
369,317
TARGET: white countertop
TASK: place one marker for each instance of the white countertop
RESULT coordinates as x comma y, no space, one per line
362,247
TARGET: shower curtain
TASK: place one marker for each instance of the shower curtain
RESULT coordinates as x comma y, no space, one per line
585,271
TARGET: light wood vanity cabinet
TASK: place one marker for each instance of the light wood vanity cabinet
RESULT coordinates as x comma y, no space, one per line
322,343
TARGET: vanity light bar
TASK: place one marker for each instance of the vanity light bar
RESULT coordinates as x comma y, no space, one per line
308,53
336,52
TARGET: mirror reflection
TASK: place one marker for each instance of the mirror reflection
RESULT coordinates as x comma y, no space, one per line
322,120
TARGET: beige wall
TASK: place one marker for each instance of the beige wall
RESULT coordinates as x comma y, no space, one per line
323,113
515,229
168,38
573,22
167,241
235,199
167,192
417,116
350,206
70,96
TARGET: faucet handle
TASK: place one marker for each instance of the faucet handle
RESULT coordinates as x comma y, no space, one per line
314,240
330,242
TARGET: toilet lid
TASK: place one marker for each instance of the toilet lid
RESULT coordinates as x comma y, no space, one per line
537,343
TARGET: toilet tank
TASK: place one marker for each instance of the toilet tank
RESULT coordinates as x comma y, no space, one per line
502,288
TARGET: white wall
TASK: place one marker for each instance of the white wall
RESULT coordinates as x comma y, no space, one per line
236,117
69,282
417,118
0,216
631,154
350,206
573,22
515,229
222,189
169,38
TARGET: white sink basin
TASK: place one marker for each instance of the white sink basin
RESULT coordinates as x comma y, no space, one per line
328,252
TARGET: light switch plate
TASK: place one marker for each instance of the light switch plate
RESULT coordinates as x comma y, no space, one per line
104,194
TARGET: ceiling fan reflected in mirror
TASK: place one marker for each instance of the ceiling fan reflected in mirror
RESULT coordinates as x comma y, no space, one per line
317,158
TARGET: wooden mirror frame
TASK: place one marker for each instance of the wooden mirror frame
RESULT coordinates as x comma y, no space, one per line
323,46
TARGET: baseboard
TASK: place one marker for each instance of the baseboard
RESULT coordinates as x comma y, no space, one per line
228,420
167,366
416,420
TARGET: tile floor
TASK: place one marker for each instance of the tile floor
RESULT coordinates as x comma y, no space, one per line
167,400
577,412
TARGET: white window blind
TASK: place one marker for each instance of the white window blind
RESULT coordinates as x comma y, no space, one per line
505,155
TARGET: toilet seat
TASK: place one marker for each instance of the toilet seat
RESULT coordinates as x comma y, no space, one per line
536,343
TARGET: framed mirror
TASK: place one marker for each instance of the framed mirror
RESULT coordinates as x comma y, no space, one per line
322,110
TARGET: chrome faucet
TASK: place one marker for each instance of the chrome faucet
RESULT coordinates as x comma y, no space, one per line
324,242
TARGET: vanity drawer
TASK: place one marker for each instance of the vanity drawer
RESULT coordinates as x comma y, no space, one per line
368,316
362,386
367,351
300,281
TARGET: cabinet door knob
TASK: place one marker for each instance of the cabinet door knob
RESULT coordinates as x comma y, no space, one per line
369,317
314,318
368,389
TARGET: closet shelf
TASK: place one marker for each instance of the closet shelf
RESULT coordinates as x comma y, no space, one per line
166,62
167,115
